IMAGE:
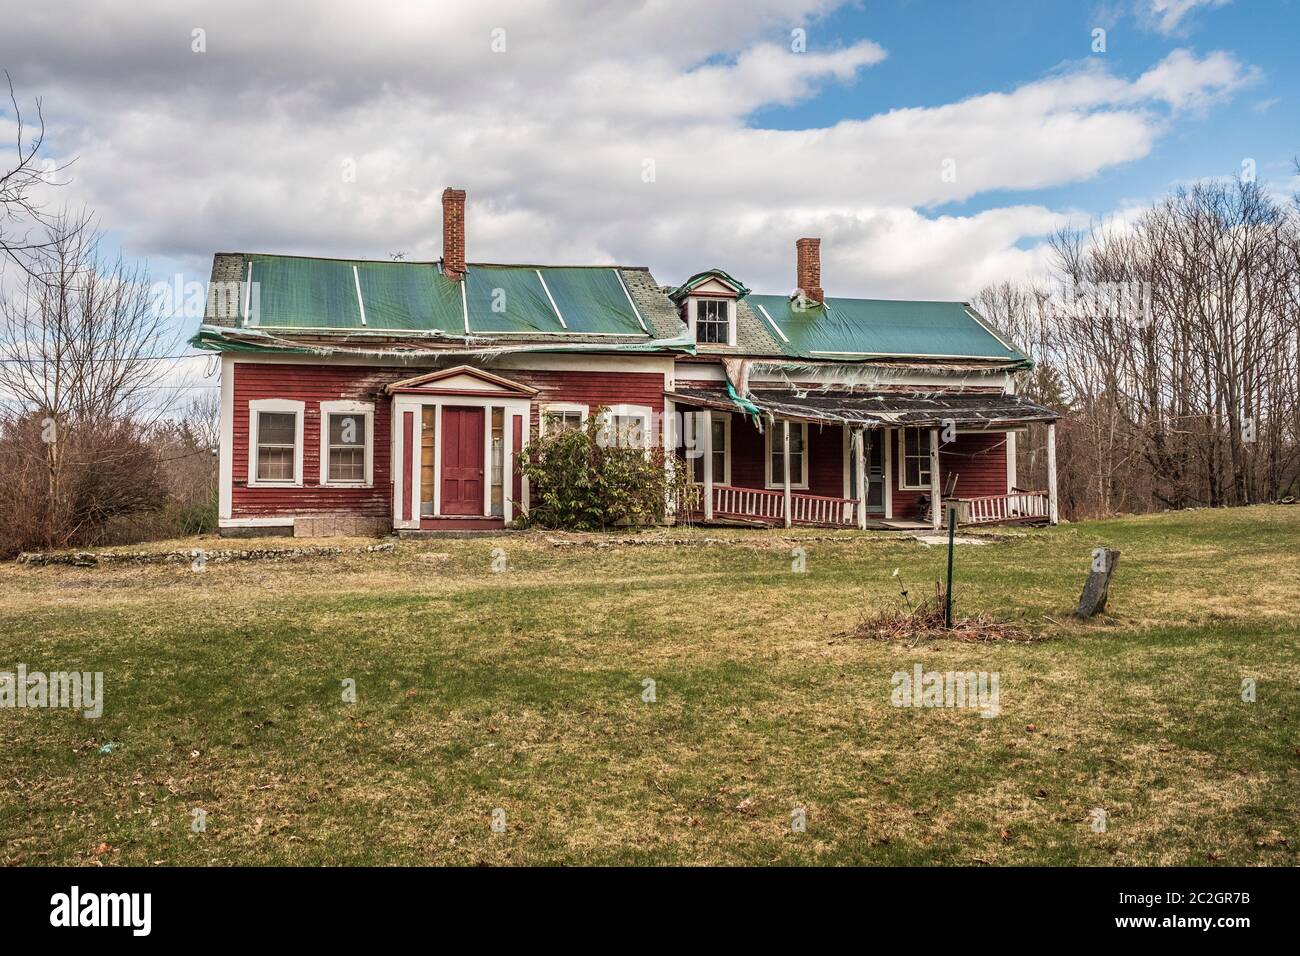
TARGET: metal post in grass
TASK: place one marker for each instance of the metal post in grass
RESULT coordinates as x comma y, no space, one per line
947,597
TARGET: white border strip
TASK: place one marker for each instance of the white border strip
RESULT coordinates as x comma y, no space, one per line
776,328
361,304
982,323
532,332
547,290
248,290
635,310
914,355
464,300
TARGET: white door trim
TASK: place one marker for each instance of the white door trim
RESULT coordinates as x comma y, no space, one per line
412,402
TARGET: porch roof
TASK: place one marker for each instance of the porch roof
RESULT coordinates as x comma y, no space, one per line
971,410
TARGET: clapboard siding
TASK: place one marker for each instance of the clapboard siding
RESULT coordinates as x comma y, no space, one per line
980,461
825,461
593,389
313,384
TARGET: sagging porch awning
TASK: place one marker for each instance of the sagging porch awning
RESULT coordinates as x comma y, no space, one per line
971,411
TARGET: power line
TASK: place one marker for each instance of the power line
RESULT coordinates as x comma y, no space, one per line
137,358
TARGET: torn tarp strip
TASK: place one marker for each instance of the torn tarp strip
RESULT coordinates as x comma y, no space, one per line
215,338
744,403
929,409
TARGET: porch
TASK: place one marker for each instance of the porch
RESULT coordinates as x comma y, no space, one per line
756,507
891,458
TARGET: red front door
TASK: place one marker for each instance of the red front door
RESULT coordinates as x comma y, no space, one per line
462,460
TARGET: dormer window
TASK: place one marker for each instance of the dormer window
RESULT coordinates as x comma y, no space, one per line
707,301
713,321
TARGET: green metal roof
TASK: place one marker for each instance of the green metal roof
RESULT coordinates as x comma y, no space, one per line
868,328
356,295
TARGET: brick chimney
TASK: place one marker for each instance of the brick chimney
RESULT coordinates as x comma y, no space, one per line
453,233
808,268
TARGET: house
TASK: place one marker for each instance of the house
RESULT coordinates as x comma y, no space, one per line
368,396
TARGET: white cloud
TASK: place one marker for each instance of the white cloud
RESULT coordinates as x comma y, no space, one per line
1167,15
1185,82
243,147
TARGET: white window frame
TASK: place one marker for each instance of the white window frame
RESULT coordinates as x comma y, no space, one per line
365,410
902,458
711,417
281,406
692,310
770,435
642,411
557,408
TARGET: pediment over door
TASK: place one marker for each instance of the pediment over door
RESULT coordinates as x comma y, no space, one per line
461,380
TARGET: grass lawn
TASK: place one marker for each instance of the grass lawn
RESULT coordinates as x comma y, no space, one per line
522,690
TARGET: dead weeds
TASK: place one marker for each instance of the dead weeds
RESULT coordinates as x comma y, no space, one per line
926,622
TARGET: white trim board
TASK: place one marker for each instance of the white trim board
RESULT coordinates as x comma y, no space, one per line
281,406
366,412
226,451
767,458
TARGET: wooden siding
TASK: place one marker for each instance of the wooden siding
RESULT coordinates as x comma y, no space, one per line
592,389
313,384
310,384
980,461
826,457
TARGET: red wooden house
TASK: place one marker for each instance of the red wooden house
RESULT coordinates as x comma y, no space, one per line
361,396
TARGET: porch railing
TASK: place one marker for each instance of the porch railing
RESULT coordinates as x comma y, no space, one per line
755,504
762,505
996,509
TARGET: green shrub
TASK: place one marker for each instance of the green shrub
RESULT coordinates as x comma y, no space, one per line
579,479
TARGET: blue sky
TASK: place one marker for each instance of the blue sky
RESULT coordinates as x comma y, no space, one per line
941,52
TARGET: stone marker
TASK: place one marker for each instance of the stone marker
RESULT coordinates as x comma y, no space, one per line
1097,587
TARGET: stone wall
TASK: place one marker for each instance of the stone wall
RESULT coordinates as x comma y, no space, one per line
339,526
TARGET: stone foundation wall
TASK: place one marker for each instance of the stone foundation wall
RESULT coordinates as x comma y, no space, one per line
340,526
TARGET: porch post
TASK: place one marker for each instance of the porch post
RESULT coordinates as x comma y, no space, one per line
705,445
785,460
1051,472
936,506
862,478
1011,462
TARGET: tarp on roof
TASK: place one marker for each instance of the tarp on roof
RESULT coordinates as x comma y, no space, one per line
508,299
354,295
593,301
302,293
848,328
968,410
416,347
295,293
410,296
701,277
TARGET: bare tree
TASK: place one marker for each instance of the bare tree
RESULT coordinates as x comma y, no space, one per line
21,208
79,340
1175,344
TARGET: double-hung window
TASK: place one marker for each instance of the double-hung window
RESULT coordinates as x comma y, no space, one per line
798,455
626,426
560,417
275,443
914,459
713,321
347,443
